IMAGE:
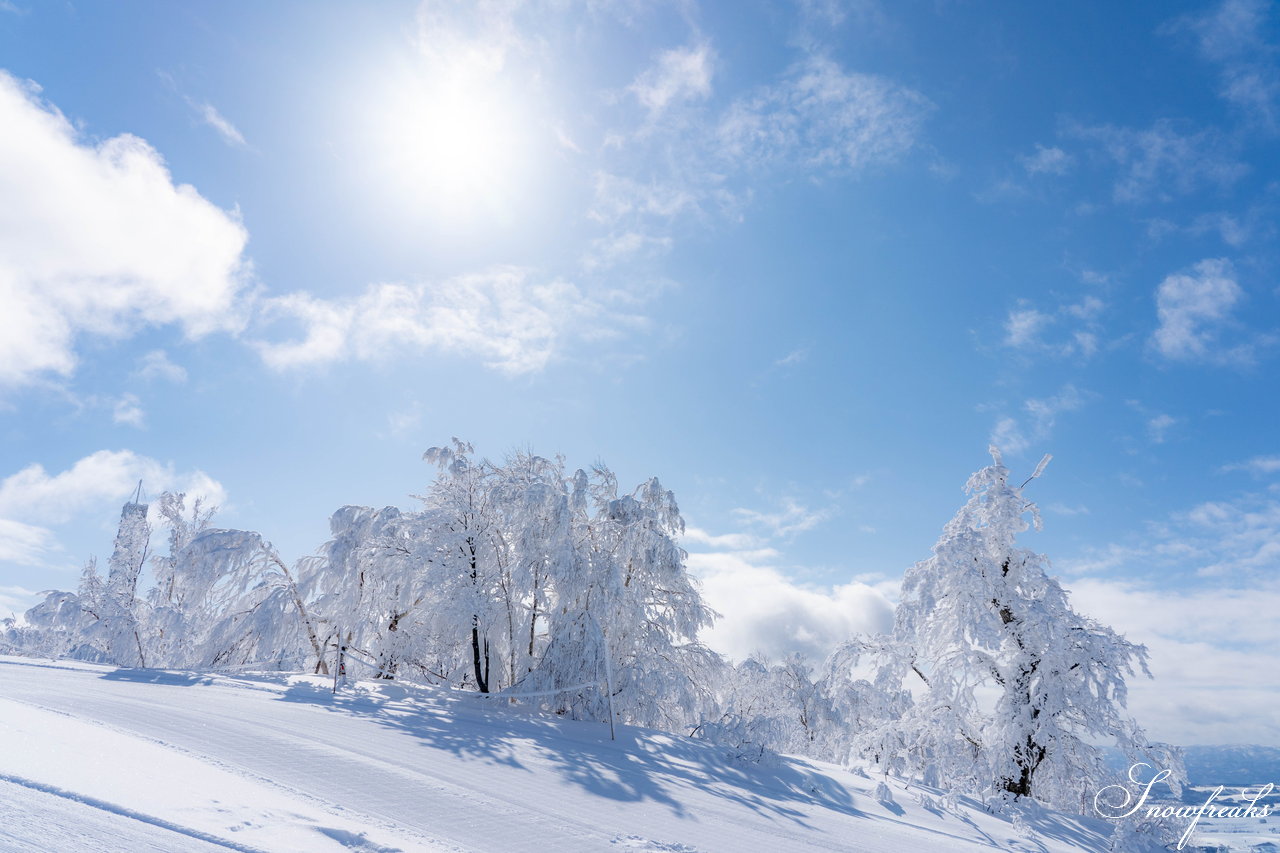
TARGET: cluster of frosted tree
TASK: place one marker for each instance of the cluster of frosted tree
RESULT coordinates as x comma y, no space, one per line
524,579
217,598
518,577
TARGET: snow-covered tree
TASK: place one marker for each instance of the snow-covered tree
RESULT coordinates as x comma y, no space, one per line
365,585
515,577
1011,685
521,578
766,708
464,549
118,616
173,585
624,592
241,605
56,627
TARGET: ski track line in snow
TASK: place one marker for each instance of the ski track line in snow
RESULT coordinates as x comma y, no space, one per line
459,776
193,721
355,747
143,717
328,806
180,723
352,746
383,801
121,811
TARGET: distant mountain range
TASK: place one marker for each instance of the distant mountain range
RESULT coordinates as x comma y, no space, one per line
1232,765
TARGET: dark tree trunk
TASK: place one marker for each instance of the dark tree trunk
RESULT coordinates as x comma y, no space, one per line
387,666
1031,754
482,674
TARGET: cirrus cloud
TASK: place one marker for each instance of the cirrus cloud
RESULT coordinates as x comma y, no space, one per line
506,316
1195,309
821,116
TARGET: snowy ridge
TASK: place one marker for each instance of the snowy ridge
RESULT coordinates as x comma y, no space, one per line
1233,764
119,759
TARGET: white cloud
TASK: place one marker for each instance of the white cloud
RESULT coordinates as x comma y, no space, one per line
405,422
618,197
156,365
827,15
1159,426
105,478
1045,412
480,36
1013,436
683,74
1238,538
1086,343
823,117
791,518
1231,36
1194,308
128,410
796,356
1258,465
34,504
1077,326
764,611
1232,231
326,326
1160,163
1200,592
504,316
95,238
1212,655
15,600
24,544
728,541
1230,29
1048,161
214,119
1024,326
1007,435
1086,309
608,252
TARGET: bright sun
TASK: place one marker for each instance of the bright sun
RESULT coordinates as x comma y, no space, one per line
454,142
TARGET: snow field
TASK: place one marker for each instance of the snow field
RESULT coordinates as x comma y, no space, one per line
152,760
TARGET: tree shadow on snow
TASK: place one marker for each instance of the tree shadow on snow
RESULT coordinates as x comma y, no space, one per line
436,724
157,676
640,765
1082,833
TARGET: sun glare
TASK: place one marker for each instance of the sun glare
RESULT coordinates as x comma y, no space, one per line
454,145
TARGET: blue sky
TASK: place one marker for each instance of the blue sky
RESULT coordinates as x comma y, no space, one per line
803,261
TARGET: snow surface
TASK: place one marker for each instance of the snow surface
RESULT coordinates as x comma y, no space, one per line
98,758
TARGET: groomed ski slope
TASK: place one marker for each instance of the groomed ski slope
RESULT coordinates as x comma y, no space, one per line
104,759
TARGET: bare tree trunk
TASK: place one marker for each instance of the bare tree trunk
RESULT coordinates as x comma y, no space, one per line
482,681
321,666
482,677
533,618
142,658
